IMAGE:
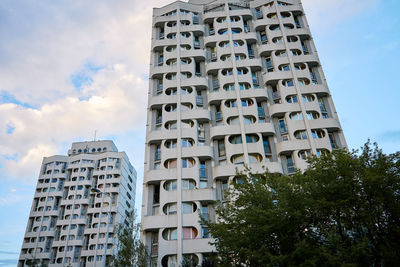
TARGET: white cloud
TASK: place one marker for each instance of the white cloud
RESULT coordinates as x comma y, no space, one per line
49,42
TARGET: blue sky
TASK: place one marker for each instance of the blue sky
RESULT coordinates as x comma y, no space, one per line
68,68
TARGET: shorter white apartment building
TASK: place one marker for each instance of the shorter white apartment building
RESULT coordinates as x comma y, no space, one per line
78,201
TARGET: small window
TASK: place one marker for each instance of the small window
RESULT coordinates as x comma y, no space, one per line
296,116
308,98
170,185
312,115
170,234
288,83
304,154
302,134
318,133
292,99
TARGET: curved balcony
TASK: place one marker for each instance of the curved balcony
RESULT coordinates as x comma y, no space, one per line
329,123
161,100
158,175
210,16
255,62
159,221
198,29
246,13
310,58
221,95
160,20
224,130
217,65
294,7
195,81
198,195
197,245
196,53
259,94
323,143
292,145
279,109
314,88
197,151
161,43
276,75
214,39
224,170
260,128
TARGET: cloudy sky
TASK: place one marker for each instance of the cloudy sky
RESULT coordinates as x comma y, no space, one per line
68,68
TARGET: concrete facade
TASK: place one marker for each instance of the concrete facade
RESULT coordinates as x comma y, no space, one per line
68,224
232,83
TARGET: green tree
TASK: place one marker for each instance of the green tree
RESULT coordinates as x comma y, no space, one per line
130,250
342,211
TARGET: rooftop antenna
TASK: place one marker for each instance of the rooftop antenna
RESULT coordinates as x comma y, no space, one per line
95,132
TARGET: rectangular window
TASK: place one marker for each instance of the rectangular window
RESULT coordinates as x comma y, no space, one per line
221,148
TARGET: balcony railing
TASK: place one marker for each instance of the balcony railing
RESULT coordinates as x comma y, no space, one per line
203,172
216,84
261,113
276,95
157,156
195,19
199,100
218,116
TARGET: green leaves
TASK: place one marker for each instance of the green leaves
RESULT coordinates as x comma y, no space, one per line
130,250
342,211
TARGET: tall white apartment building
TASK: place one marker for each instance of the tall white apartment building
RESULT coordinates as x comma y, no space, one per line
69,225
232,83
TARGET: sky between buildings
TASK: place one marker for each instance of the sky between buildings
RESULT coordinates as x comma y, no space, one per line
68,68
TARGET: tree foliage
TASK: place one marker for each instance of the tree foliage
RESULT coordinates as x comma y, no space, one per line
342,211
130,250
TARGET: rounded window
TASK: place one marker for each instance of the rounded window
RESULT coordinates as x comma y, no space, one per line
189,232
304,154
171,91
170,208
292,39
170,185
235,139
284,67
274,27
169,234
221,19
299,66
318,133
249,119
233,120
170,144
227,72
255,158
242,71
301,134
230,103
237,159
303,81
252,138
171,24
223,44
296,116
277,40
170,108
171,48
188,207
281,53
312,115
